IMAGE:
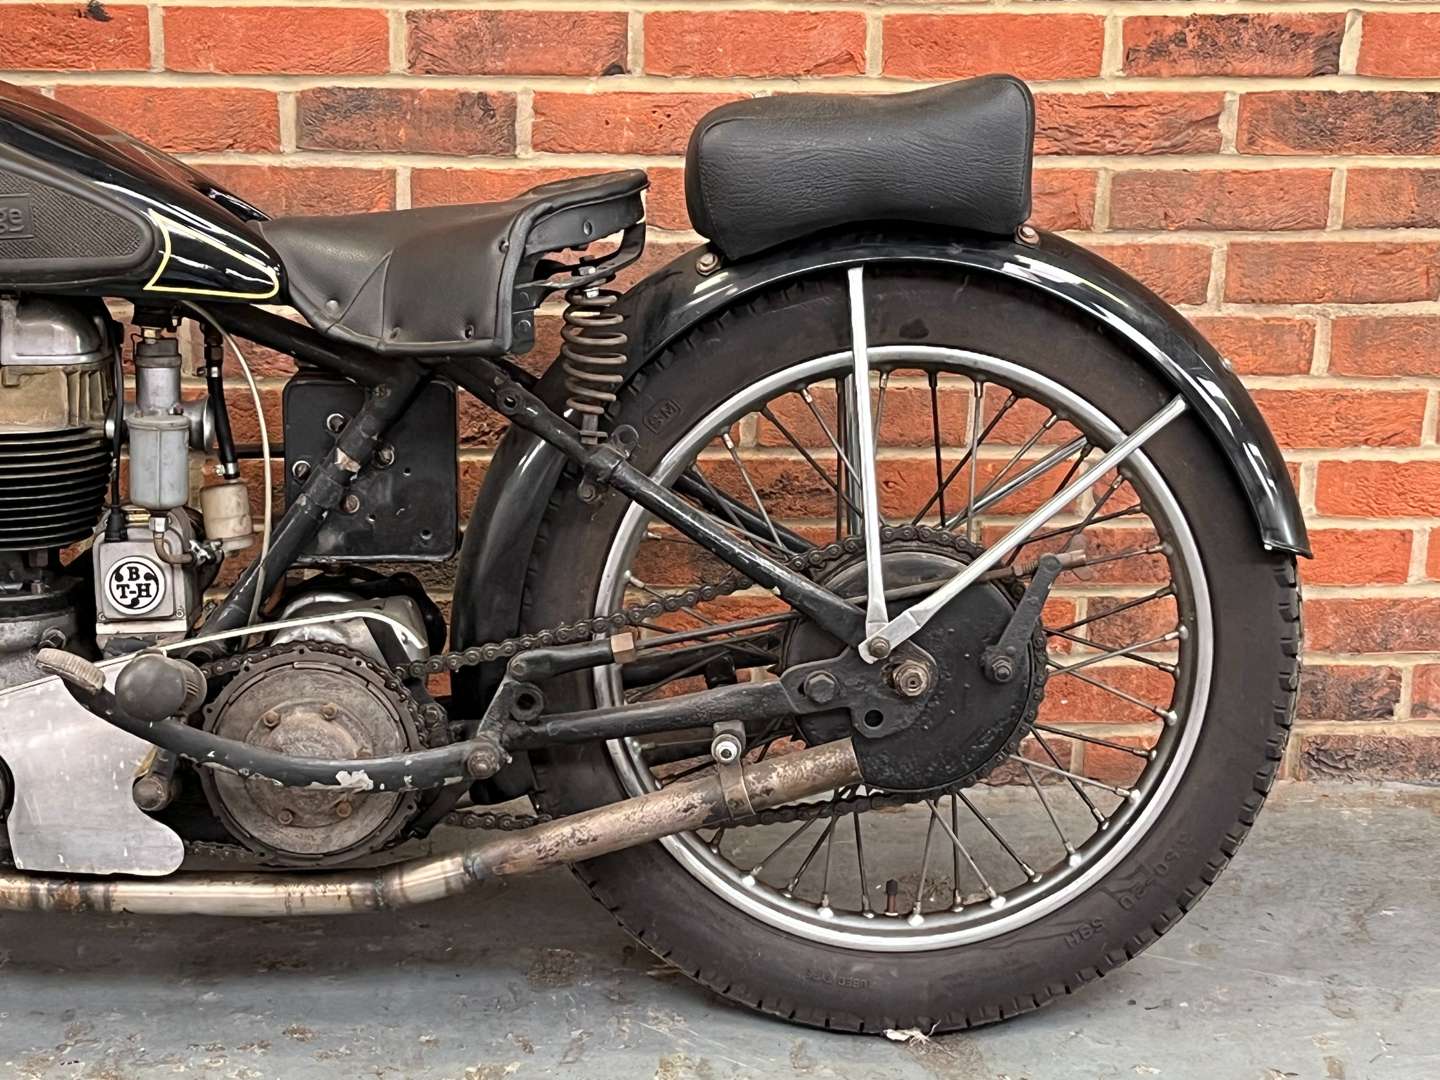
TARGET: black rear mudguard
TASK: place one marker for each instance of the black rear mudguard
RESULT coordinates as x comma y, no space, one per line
490,579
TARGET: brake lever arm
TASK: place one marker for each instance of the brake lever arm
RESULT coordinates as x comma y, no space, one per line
998,660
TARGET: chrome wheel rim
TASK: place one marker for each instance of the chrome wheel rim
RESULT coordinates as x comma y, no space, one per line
1057,884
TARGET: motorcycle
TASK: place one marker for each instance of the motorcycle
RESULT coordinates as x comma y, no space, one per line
890,609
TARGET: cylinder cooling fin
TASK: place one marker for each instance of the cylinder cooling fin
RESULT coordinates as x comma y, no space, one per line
57,386
52,487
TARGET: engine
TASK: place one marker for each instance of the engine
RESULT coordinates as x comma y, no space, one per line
322,685
57,390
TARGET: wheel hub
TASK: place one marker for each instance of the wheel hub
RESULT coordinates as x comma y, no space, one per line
958,724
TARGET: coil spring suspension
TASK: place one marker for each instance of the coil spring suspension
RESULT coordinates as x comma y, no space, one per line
593,351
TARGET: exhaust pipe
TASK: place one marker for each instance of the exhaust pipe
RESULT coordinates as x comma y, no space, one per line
727,795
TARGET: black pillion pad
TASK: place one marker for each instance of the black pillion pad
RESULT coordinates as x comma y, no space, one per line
761,172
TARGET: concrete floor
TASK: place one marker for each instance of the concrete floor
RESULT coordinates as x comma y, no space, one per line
1317,955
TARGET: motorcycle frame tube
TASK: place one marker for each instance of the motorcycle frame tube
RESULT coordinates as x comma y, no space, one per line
681,807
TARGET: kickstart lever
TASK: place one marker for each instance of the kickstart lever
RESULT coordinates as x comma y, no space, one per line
999,660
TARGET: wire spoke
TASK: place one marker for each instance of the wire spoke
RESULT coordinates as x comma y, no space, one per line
880,407
1025,867
1113,654
806,397
755,870
1129,605
955,854
989,497
1049,812
633,580
1089,518
1094,810
977,410
962,853
742,532
916,917
1124,793
1005,407
1096,740
1075,468
809,458
865,908
1078,640
1025,448
822,841
750,484
1067,530
933,379
640,693
1164,714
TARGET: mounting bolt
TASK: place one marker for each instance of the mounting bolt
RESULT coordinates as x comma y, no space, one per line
343,809
1000,667
335,423
910,678
485,760
1026,234
879,646
271,718
285,816
300,470
385,457
820,688
329,711
707,263
726,748
351,503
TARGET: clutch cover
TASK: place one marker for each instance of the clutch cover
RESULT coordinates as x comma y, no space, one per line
311,701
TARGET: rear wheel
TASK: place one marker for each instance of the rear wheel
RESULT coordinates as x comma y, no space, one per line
1125,763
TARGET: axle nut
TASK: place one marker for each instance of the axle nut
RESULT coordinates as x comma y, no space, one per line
821,688
910,678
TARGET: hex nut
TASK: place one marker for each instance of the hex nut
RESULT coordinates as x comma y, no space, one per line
821,688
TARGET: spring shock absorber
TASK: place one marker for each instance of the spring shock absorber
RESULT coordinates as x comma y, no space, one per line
593,349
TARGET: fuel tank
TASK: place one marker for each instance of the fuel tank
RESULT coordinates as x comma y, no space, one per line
85,208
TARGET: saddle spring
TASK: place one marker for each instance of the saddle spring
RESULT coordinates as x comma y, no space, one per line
593,351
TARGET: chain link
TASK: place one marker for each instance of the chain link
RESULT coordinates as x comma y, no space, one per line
493,820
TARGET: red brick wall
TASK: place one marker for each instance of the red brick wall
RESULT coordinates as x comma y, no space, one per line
1271,168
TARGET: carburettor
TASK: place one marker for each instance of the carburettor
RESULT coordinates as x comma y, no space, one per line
145,556
154,555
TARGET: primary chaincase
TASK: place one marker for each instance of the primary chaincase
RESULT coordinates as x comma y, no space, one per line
312,701
968,723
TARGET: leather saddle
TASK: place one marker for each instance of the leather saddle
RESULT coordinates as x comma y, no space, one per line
448,280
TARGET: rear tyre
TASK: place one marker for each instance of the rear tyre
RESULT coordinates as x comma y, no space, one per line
967,975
